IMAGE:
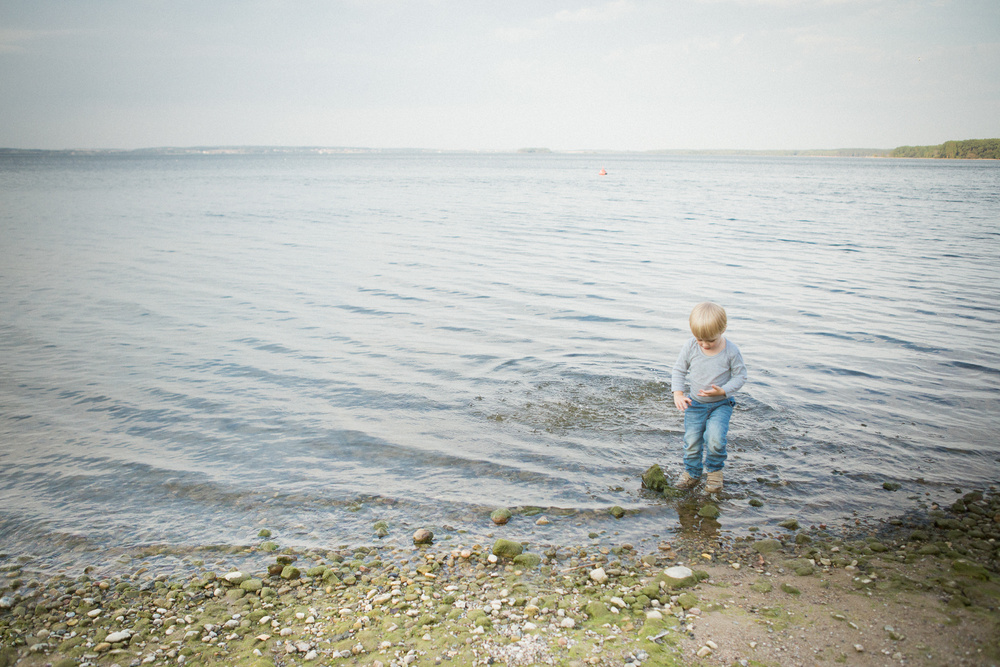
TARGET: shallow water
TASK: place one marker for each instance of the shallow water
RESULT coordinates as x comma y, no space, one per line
195,347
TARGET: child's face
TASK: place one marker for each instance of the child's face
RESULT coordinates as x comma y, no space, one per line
711,345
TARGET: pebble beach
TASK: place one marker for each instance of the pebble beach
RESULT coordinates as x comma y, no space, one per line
914,590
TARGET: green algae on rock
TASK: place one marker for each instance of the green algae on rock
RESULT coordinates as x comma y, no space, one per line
504,548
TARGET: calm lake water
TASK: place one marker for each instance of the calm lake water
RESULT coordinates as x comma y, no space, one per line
194,348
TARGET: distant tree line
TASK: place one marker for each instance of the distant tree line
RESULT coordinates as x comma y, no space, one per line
972,149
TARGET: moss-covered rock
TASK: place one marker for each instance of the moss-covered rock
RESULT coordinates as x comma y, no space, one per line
528,560
766,546
503,548
709,511
970,569
687,600
654,479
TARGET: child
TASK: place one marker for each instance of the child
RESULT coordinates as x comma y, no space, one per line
713,369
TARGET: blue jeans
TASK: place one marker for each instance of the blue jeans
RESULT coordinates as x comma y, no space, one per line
705,428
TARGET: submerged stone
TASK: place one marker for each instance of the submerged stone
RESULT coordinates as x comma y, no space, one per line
528,560
709,511
507,548
500,516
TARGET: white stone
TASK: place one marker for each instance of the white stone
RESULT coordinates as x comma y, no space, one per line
859,648
704,652
678,572
712,645
599,575
233,577
618,602
94,613
311,655
567,623
653,615
120,636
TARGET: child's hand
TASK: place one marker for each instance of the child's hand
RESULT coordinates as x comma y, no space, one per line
713,392
681,401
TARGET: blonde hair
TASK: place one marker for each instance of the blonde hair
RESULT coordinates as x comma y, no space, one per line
707,320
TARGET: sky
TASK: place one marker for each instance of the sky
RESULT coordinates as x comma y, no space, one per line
498,75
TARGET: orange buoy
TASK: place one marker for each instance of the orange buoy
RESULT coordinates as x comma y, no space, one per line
603,173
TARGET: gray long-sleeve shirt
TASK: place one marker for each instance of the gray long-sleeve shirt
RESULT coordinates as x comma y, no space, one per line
697,370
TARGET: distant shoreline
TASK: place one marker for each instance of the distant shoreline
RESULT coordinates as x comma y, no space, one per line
346,150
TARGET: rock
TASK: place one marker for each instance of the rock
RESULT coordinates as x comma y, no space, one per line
500,516
542,521
762,586
252,585
617,512
678,572
235,578
423,536
766,546
597,611
709,511
754,502
290,572
687,601
507,548
789,524
654,479
265,533
969,569
599,575
120,636
381,528
891,486
704,652
567,623
528,560
653,615
791,590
